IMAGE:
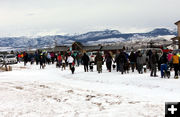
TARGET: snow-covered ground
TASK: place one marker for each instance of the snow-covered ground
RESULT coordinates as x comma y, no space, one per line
50,92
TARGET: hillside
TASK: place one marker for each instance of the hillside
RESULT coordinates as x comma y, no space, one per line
90,38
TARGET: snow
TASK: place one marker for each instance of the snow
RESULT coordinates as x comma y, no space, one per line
33,92
108,40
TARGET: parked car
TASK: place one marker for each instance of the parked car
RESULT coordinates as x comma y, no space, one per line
1,58
10,59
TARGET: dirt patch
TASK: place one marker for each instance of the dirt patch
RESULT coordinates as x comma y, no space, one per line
89,97
101,107
43,86
65,100
49,96
57,99
70,91
108,95
20,88
22,67
113,103
134,102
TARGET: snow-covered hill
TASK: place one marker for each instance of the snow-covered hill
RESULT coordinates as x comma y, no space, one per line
90,38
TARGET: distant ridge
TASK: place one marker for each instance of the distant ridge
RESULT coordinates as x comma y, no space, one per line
89,38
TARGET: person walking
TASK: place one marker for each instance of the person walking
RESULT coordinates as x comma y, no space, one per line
122,60
175,61
48,58
99,61
78,58
25,58
64,63
117,61
37,57
85,60
59,60
153,63
140,62
42,61
70,60
132,59
108,60
149,53
169,56
52,57
163,61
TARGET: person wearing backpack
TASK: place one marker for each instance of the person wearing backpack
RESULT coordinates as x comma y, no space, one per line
175,61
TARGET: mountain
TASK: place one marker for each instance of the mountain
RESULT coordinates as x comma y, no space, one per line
90,38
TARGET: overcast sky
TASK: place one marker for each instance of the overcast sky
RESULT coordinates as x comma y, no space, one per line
48,17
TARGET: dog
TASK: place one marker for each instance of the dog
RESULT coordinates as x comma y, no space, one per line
72,69
91,67
114,66
144,68
57,65
168,74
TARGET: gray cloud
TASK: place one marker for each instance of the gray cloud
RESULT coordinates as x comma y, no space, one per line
78,16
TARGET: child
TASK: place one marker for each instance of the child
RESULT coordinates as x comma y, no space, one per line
72,68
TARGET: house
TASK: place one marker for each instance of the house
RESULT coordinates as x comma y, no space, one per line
176,40
77,46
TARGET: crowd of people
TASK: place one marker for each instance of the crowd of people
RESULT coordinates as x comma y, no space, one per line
121,61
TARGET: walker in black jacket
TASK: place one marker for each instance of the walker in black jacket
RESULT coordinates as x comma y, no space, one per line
153,62
85,60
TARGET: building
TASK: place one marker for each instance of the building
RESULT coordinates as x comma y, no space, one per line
112,48
92,48
176,40
61,48
80,48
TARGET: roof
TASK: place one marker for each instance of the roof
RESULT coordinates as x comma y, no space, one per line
113,47
88,48
60,48
175,38
177,22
